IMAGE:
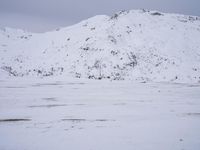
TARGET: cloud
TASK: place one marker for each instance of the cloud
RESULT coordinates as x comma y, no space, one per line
31,23
42,15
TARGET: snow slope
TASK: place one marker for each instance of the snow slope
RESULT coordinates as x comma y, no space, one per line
135,45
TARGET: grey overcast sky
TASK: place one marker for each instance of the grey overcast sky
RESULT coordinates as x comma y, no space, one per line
44,15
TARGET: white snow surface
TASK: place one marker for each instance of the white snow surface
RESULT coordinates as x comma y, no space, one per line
134,45
47,101
79,114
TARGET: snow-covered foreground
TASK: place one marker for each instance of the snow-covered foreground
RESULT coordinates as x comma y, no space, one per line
98,115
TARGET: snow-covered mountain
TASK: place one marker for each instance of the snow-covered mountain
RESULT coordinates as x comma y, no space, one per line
136,45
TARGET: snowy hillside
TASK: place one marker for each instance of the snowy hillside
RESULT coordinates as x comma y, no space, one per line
135,45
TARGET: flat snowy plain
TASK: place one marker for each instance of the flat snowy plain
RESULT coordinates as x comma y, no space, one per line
78,114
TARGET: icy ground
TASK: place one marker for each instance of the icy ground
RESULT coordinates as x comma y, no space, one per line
49,114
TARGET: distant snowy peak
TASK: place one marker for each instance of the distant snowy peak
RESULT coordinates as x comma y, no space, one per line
134,45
